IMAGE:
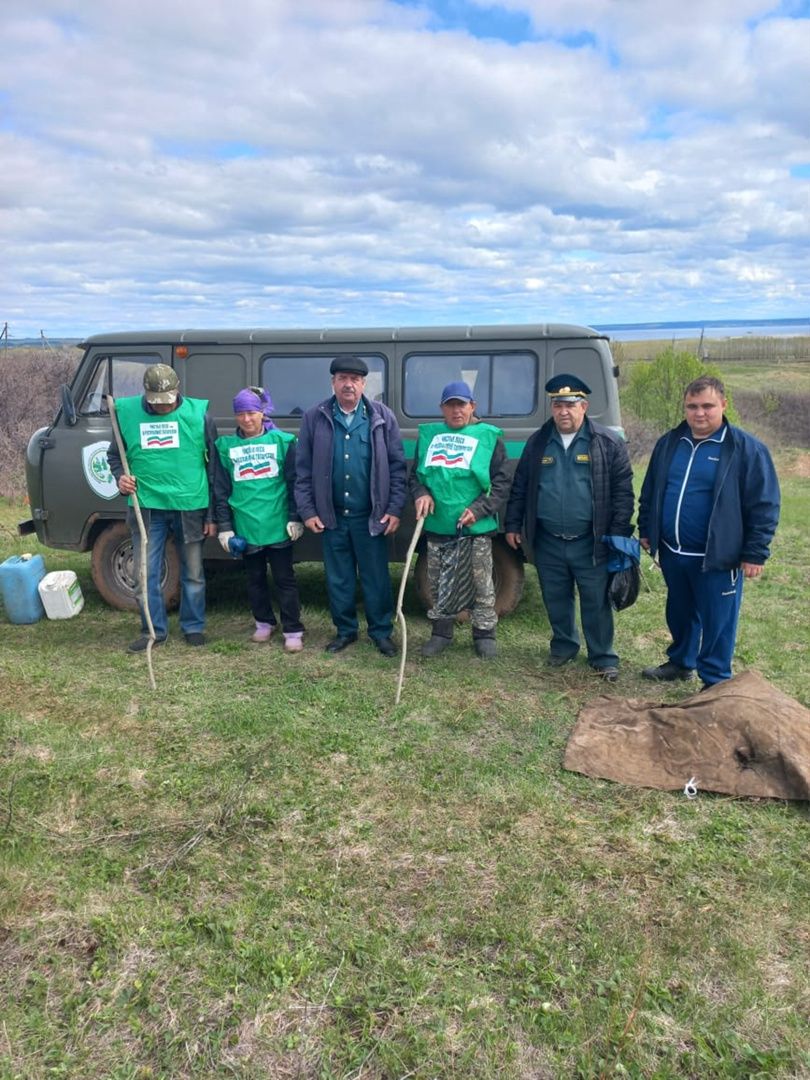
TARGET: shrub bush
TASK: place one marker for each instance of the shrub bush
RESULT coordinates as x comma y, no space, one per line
29,397
654,391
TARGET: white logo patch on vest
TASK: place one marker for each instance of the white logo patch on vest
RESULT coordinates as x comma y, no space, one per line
256,461
97,470
160,435
450,451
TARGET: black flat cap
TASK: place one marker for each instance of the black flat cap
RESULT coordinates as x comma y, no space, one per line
350,364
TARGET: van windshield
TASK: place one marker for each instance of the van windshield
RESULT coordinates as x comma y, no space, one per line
121,376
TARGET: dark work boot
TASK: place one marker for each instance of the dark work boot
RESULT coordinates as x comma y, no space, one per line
441,636
484,644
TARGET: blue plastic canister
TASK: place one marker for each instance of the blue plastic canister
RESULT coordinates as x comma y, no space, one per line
19,577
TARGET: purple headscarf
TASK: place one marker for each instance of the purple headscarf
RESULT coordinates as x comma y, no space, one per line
255,399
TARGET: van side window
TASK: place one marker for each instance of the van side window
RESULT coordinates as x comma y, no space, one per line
121,376
504,384
297,382
586,364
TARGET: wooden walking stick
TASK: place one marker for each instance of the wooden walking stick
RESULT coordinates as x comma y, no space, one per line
417,532
143,568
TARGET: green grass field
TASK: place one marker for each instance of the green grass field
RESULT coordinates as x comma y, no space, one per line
265,869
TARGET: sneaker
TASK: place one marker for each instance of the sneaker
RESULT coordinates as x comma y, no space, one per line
668,672
294,642
140,644
195,639
608,674
263,631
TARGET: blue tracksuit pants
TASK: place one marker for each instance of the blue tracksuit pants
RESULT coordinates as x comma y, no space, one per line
702,611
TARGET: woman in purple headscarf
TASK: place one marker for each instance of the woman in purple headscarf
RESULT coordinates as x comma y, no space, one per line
255,512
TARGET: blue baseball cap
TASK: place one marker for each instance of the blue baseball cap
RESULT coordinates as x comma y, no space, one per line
456,391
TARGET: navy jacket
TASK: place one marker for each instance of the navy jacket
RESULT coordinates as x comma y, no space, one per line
745,511
313,465
611,482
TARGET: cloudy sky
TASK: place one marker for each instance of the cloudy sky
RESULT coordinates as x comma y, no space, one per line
381,162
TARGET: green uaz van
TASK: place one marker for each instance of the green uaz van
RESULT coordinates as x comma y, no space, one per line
75,503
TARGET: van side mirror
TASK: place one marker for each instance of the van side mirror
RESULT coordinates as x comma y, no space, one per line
68,405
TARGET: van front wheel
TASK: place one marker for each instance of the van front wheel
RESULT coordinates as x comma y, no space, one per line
507,574
115,575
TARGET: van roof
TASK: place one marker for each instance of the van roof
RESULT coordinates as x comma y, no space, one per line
342,335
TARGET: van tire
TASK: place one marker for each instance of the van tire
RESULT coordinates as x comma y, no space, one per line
507,573
114,575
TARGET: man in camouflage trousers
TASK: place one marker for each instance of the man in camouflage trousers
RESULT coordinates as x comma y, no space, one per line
459,481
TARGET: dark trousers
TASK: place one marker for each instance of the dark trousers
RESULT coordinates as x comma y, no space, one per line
281,567
703,608
348,550
562,564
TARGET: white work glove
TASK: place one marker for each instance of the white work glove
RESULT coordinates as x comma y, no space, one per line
223,538
295,530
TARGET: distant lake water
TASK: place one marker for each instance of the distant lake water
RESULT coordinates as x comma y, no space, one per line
681,330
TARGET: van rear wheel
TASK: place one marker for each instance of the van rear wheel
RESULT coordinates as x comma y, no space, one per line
115,575
507,573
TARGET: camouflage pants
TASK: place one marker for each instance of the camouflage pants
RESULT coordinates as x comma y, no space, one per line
482,613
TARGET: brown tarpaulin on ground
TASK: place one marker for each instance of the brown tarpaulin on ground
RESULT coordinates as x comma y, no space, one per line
742,737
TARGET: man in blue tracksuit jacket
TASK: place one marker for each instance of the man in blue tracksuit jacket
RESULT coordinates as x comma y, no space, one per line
709,508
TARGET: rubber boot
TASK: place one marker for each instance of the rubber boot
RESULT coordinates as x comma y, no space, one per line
441,636
484,644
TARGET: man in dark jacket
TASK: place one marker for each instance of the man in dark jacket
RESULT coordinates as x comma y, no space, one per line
572,486
350,487
709,508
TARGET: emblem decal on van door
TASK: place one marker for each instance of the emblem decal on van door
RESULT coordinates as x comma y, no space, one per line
97,470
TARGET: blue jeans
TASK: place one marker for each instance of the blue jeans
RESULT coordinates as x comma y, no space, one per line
192,578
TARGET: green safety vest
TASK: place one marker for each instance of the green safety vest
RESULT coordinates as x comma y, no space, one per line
258,490
166,453
453,464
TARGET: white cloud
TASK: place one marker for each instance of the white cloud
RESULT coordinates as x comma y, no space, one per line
281,161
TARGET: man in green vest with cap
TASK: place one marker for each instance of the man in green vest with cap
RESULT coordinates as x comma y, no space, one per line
459,483
169,442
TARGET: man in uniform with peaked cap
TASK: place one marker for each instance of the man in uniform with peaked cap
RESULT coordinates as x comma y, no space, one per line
572,486
350,489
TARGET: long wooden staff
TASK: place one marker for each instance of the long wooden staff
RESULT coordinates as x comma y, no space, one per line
417,532
143,568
